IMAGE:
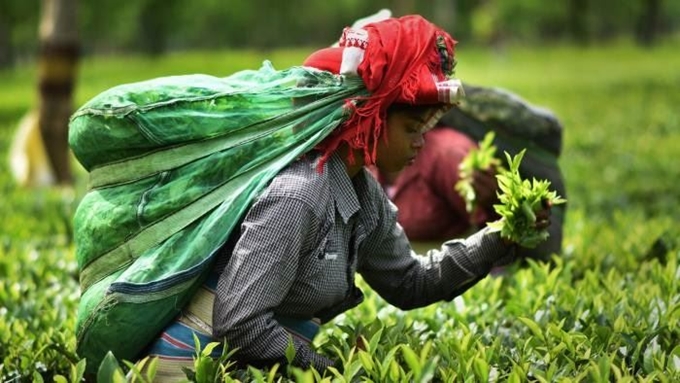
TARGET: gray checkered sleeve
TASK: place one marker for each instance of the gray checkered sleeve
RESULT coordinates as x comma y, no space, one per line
408,280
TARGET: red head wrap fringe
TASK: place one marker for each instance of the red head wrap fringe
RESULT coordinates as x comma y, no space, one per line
404,60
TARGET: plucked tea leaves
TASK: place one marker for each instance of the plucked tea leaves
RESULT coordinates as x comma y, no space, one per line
482,158
520,199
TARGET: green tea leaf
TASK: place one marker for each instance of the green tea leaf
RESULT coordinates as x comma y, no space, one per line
533,326
411,359
37,378
520,199
109,370
151,369
482,158
290,351
209,348
78,371
481,368
366,360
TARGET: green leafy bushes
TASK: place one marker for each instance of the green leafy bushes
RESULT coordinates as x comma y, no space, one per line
607,310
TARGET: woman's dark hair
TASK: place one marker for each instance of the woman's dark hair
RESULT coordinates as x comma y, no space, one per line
410,108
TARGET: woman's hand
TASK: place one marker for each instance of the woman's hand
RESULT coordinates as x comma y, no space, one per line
543,216
485,186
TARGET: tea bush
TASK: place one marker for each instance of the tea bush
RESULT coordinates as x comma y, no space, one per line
608,310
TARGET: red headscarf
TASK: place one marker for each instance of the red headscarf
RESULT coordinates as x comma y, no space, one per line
403,60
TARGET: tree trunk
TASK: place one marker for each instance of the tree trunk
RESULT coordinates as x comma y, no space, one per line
578,21
59,51
155,21
444,14
648,25
402,7
5,45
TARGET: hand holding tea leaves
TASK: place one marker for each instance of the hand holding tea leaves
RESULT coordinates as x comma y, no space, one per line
524,206
475,166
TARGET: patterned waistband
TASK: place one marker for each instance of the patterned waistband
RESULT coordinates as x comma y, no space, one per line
177,342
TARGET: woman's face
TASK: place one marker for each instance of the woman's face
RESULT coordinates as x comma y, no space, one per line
404,139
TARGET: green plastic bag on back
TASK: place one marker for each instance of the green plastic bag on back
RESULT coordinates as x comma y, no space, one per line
174,163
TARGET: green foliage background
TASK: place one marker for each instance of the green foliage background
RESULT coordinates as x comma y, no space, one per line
156,26
610,308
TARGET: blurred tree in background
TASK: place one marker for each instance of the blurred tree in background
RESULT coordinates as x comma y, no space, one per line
18,30
58,63
156,26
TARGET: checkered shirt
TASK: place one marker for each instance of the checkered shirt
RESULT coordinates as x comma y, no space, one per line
301,244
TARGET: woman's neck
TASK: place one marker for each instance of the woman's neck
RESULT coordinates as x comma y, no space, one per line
389,178
355,168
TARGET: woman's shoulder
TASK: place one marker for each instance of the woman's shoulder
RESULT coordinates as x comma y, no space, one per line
302,181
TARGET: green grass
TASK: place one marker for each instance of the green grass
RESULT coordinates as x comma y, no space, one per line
610,308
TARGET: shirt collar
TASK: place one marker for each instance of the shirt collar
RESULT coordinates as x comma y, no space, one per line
342,189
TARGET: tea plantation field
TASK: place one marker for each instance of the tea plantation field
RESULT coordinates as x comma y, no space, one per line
608,311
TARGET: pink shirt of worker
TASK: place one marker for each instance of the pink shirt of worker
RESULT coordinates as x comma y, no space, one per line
429,206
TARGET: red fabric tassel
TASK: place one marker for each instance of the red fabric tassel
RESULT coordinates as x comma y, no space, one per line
403,61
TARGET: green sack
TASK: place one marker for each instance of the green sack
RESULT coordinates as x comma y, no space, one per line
517,125
174,163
